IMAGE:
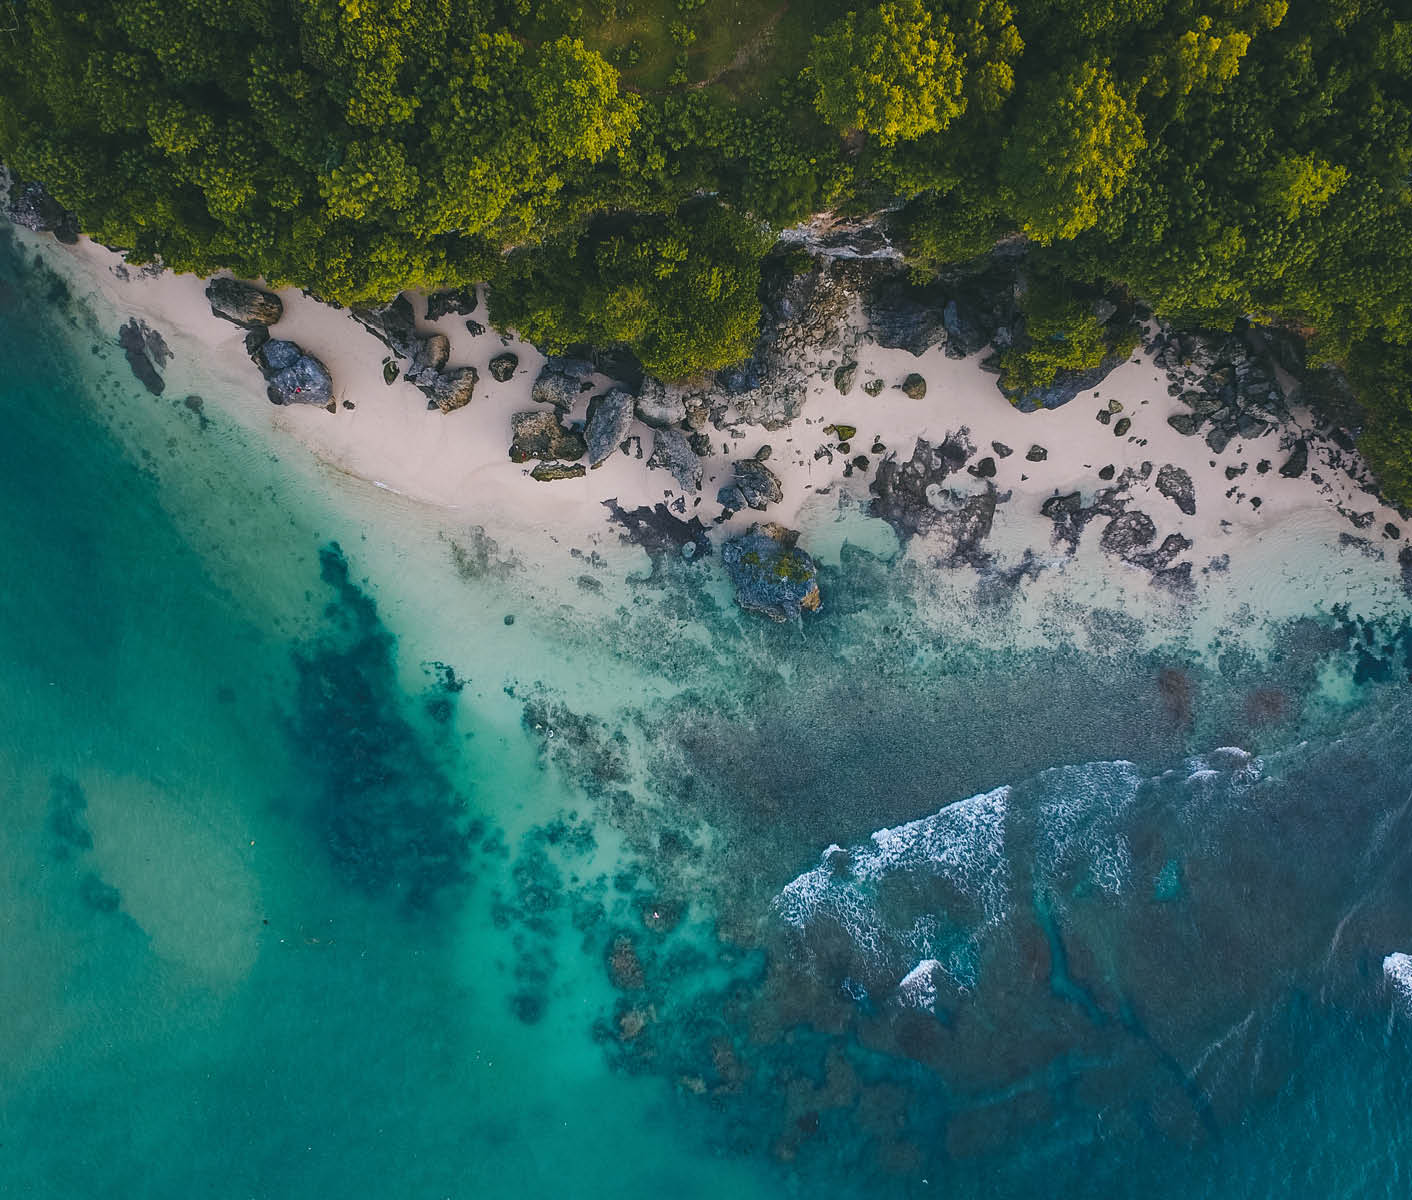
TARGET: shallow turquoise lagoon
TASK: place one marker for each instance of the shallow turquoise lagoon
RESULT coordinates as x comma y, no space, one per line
319,878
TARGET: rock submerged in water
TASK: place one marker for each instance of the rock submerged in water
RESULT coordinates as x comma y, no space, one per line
539,434
772,576
243,303
291,376
146,352
609,420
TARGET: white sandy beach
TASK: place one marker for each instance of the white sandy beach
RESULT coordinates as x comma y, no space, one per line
458,463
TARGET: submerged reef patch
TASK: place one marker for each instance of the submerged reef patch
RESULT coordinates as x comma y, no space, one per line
389,816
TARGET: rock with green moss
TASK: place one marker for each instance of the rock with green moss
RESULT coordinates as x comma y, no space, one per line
914,387
548,472
772,576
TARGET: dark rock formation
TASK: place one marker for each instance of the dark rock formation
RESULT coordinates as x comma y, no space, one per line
502,367
549,472
243,303
903,491
671,450
1174,483
560,381
658,405
31,207
291,376
772,576
609,419
461,301
1036,453
451,389
657,531
1128,533
1066,385
844,376
905,317
755,485
1298,460
914,387
539,434
146,352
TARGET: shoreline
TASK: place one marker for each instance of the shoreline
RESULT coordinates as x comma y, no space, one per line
458,462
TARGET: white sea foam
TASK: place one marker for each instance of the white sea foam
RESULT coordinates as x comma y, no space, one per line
964,844
1397,969
918,987
1080,815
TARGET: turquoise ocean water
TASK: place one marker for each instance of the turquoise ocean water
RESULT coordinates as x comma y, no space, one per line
317,877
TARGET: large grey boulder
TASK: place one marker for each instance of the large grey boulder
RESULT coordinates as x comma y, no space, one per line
293,377
671,450
560,381
608,424
539,434
659,406
772,576
243,303
451,389
755,485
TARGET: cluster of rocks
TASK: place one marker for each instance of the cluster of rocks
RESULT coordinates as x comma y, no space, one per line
146,352
31,207
754,485
425,354
772,576
291,376
1129,533
968,313
1227,381
542,433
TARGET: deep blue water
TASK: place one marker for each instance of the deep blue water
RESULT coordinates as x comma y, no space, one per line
316,878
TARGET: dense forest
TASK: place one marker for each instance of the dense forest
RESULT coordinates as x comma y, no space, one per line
617,168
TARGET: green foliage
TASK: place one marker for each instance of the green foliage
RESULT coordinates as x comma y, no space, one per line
1061,334
1075,139
681,292
894,72
1221,158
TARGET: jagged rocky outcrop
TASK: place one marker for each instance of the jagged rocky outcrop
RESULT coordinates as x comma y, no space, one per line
658,532
540,434
672,451
772,576
146,352
755,486
291,376
561,380
1228,381
658,405
243,303
30,206
426,355
609,420
903,491
1175,483
461,301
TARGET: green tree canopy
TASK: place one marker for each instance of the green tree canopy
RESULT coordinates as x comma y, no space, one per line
893,72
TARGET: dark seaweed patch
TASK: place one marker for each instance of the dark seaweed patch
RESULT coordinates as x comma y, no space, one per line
391,820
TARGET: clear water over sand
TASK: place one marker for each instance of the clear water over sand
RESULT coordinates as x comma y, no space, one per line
318,877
